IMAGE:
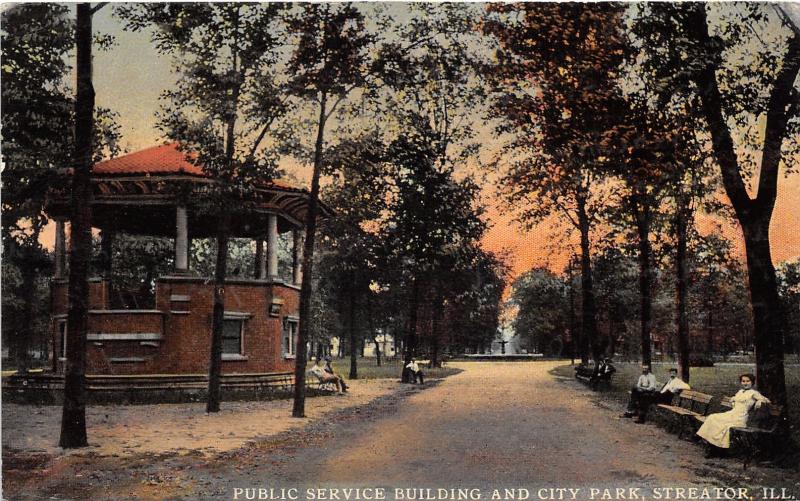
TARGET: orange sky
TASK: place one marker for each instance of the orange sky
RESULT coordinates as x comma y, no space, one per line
534,248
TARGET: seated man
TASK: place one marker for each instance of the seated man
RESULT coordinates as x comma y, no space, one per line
642,395
605,369
671,388
325,377
415,372
329,370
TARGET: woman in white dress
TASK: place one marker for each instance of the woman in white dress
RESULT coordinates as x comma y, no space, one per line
716,429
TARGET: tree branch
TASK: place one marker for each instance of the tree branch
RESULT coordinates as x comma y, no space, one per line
97,7
777,120
711,104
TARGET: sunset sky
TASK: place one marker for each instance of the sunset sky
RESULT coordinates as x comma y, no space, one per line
130,76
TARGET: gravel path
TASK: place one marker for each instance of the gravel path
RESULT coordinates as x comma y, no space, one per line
495,424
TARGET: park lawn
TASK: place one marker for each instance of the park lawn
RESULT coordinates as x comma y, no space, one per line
721,380
368,369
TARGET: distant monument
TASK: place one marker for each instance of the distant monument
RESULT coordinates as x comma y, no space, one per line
506,342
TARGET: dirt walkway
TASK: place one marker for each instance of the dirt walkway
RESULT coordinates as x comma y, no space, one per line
495,424
509,425
165,428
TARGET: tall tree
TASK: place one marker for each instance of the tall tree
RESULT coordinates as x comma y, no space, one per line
73,418
640,151
351,245
555,92
431,94
226,101
690,189
36,111
743,65
329,61
430,216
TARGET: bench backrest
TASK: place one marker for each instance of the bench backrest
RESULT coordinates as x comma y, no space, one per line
695,401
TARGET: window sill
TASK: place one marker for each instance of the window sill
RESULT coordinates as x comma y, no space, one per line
233,357
287,356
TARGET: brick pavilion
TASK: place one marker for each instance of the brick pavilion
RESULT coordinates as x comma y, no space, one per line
154,192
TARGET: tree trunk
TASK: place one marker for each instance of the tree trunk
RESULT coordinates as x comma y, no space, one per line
371,319
410,344
645,279
589,314
218,314
306,287
754,215
377,351
710,330
575,335
682,284
438,313
25,333
221,265
73,418
768,319
351,313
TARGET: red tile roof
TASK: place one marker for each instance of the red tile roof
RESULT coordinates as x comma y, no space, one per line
163,159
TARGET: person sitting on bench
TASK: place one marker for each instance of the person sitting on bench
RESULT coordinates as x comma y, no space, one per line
642,395
325,377
716,429
415,372
329,370
671,388
605,369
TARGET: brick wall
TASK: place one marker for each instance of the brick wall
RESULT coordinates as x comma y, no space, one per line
182,320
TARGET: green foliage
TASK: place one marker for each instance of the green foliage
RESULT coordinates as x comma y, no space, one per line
37,110
136,262
542,302
329,55
229,92
746,45
555,92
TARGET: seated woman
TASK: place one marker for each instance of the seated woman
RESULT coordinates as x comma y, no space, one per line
716,429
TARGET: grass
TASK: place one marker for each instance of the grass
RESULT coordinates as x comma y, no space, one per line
389,369
722,380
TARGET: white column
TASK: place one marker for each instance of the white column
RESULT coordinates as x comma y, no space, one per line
262,260
60,250
181,239
297,257
272,245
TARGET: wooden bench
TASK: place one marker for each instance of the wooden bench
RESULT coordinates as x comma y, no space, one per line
322,385
590,376
762,434
687,411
